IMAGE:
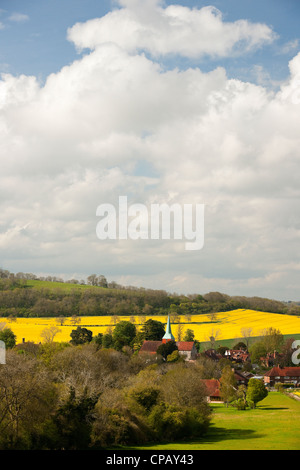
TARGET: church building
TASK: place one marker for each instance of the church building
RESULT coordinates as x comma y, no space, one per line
185,348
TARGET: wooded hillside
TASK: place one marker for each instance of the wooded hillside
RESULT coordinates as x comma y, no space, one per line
26,295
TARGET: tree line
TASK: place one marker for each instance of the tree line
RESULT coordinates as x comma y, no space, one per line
18,298
58,396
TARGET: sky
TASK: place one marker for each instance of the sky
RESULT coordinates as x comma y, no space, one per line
164,102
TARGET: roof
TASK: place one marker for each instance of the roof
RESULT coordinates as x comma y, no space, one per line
150,346
239,376
284,372
168,334
212,386
212,354
185,345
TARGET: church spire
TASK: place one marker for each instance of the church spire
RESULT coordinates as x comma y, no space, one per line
168,334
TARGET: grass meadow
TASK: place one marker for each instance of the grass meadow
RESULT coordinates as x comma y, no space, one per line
273,425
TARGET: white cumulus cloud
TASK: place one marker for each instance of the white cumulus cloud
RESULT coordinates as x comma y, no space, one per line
189,32
115,122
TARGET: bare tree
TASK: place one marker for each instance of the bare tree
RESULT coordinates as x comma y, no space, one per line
48,334
214,334
75,320
246,333
60,320
213,316
179,331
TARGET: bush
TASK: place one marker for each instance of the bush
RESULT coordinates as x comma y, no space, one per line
171,422
145,396
118,426
240,404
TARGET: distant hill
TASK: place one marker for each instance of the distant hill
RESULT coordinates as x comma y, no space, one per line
26,295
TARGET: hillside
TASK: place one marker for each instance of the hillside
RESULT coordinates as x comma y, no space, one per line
25,295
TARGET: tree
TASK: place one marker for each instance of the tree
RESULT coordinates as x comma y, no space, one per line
228,385
246,333
213,316
146,396
98,339
73,422
75,319
179,331
123,334
92,280
257,350
166,348
48,334
174,357
189,335
241,402
183,386
27,399
240,345
256,392
101,281
8,337
61,320
272,339
153,330
81,336
213,336
107,341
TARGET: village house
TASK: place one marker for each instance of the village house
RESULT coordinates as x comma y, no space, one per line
285,375
241,378
213,389
213,355
187,349
237,355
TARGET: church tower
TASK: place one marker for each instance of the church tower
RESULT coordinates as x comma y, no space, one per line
168,334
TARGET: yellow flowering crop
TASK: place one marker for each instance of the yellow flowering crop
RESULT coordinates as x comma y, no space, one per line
226,325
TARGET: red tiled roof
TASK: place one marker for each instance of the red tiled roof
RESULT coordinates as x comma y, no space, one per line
185,345
285,372
150,346
212,386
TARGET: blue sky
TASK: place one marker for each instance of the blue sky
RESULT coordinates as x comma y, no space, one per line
36,43
181,102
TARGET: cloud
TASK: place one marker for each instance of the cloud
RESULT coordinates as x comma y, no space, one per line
18,17
89,135
179,30
289,47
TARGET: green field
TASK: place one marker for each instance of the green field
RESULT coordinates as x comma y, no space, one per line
273,425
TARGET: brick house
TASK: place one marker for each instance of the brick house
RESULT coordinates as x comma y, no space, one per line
237,355
212,354
187,349
213,389
285,375
241,379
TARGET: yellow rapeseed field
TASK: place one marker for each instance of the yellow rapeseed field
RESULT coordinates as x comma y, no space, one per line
226,325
